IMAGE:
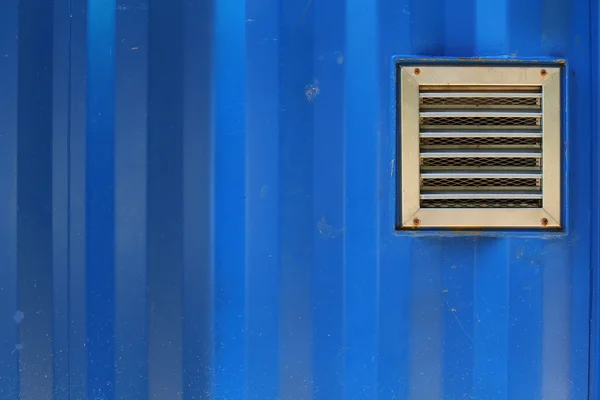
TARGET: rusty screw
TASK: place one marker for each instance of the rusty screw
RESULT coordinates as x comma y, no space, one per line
544,221
416,222
417,71
544,72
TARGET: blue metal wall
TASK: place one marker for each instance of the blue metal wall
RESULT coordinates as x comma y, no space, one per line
197,203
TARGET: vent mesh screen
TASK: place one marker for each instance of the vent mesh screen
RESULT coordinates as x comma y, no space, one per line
479,162
480,182
478,203
477,145
480,101
482,141
481,121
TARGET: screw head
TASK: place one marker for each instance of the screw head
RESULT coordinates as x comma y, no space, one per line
416,222
544,221
544,72
417,71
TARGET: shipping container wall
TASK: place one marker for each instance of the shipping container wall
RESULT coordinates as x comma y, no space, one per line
198,202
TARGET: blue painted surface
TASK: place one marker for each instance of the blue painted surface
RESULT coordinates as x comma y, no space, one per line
198,202
100,199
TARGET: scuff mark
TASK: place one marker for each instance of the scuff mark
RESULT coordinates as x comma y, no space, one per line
124,7
335,56
263,192
311,90
520,253
579,47
18,347
250,20
392,168
18,317
326,231
308,4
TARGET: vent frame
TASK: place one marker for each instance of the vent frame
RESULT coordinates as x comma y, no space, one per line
410,81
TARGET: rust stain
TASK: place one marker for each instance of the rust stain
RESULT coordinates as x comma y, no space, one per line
311,90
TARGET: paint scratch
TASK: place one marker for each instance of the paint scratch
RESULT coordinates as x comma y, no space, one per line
461,326
326,231
303,15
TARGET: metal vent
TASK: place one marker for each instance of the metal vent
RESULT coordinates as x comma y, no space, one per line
480,147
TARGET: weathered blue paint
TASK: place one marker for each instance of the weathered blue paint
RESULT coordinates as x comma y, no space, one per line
199,203
100,199
594,384
9,334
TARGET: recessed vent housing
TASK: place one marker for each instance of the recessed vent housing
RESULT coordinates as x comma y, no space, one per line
480,147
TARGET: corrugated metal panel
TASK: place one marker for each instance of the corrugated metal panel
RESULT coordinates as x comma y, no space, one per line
197,203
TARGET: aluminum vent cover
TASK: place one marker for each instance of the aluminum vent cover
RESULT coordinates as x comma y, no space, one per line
479,147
